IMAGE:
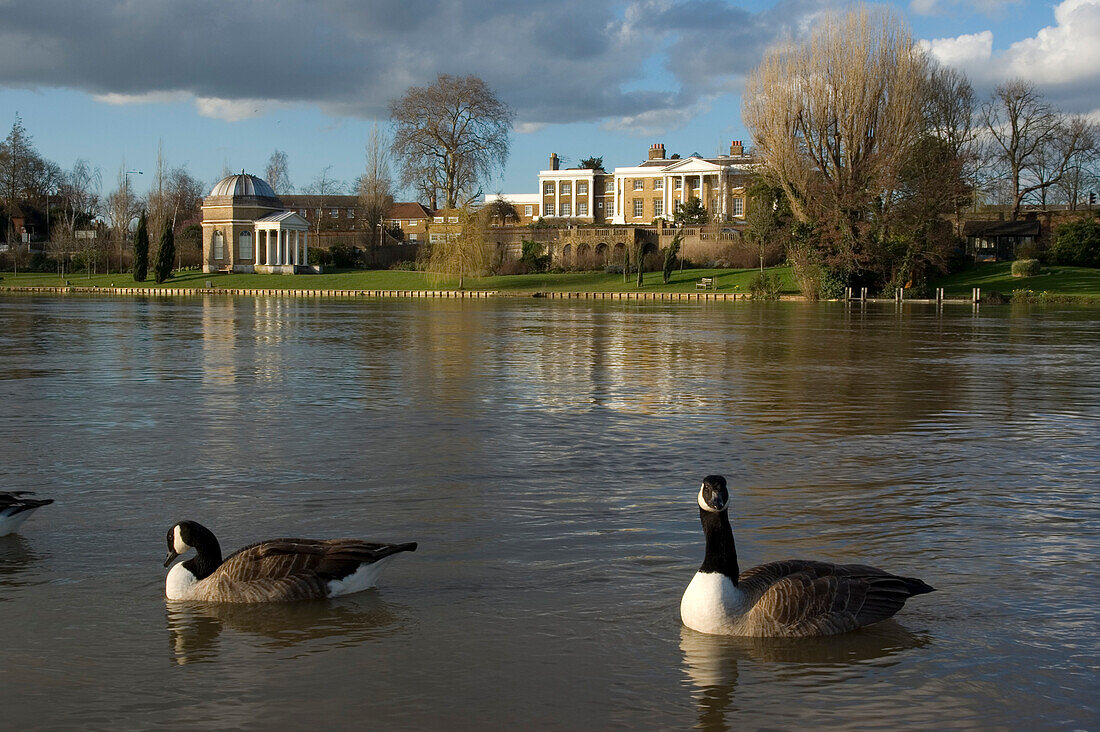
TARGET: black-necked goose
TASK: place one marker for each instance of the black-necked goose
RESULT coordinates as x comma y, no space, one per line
792,598
15,508
271,571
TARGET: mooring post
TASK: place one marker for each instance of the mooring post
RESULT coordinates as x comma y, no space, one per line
863,294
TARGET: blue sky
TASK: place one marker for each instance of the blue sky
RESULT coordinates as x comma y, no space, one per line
222,85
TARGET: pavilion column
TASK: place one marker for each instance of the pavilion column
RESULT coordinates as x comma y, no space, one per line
279,258
297,250
305,244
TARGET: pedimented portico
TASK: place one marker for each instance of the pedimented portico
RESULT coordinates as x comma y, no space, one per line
282,243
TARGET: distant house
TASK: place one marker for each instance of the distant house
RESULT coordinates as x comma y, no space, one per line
412,218
992,241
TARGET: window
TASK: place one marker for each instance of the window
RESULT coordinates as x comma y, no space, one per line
302,212
582,187
317,213
566,188
548,189
411,223
582,208
528,211
351,213
739,207
638,184
611,208
219,245
436,238
677,183
548,209
658,184
245,248
438,219
334,213
414,236
638,204
566,208
609,187
452,219
658,207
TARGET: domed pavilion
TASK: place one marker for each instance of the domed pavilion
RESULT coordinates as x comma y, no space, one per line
245,228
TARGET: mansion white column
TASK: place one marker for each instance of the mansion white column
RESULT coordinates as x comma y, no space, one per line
557,198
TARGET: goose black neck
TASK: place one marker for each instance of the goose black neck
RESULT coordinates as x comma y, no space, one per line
208,553
721,553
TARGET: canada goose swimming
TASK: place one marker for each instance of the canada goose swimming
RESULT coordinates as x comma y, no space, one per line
15,508
271,571
792,598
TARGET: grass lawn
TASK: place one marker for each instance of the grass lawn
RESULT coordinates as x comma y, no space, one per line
729,280
997,277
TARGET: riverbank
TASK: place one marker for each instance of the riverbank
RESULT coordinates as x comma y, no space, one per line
1075,285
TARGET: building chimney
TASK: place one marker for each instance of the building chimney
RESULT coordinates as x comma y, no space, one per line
736,149
555,161
657,151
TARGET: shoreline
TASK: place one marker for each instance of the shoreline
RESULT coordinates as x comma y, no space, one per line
442,294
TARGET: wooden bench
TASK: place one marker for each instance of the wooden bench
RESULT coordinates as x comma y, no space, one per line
227,269
706,283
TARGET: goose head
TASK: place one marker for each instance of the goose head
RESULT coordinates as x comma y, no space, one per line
713,495
187,535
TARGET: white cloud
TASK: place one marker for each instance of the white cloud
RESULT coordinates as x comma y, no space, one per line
941,7
1063,59
155,97
961,51
232,110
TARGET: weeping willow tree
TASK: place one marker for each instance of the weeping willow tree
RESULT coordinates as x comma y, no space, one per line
833,121
463,254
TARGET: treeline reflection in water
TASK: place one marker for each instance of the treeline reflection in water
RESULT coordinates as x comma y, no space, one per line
546,456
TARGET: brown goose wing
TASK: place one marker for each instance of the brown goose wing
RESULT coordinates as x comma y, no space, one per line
291,569
804,598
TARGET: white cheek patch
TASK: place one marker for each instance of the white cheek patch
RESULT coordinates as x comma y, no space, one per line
702,504
178,544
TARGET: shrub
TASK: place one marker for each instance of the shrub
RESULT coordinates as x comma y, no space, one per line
1077,243
344,255
404,265
765,286
512,267
1025,268
533,257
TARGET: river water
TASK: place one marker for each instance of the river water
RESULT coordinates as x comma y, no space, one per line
547,455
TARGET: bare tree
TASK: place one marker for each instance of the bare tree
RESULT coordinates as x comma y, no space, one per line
24,174
449,137
276,173
466,254
323,186
159,200
1032,143
121,208
833,121
376,183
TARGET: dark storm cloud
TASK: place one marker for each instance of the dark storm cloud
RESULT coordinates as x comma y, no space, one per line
553,62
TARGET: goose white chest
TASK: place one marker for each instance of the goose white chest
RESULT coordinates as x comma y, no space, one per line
712,604
179,582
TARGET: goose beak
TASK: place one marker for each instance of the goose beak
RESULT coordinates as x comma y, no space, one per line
172,554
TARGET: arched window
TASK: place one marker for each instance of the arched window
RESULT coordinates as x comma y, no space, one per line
218,245
245,249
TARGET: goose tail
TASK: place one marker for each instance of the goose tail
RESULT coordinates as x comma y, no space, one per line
916,586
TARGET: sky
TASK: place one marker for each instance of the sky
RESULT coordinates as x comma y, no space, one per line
220,85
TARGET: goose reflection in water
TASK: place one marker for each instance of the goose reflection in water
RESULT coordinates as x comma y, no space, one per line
711,662
196,628
16,557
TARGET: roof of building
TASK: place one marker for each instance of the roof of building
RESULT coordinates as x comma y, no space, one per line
408,210
313,200
1002,228
242,184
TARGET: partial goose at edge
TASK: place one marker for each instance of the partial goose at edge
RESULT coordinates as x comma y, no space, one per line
791,598
278,570
16,507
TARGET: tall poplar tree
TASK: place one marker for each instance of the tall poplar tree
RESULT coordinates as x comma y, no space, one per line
166,252
141,249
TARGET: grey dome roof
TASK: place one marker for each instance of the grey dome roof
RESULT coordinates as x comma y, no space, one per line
242,184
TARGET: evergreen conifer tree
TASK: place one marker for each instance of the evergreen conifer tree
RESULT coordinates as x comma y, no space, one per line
141,249
166,252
